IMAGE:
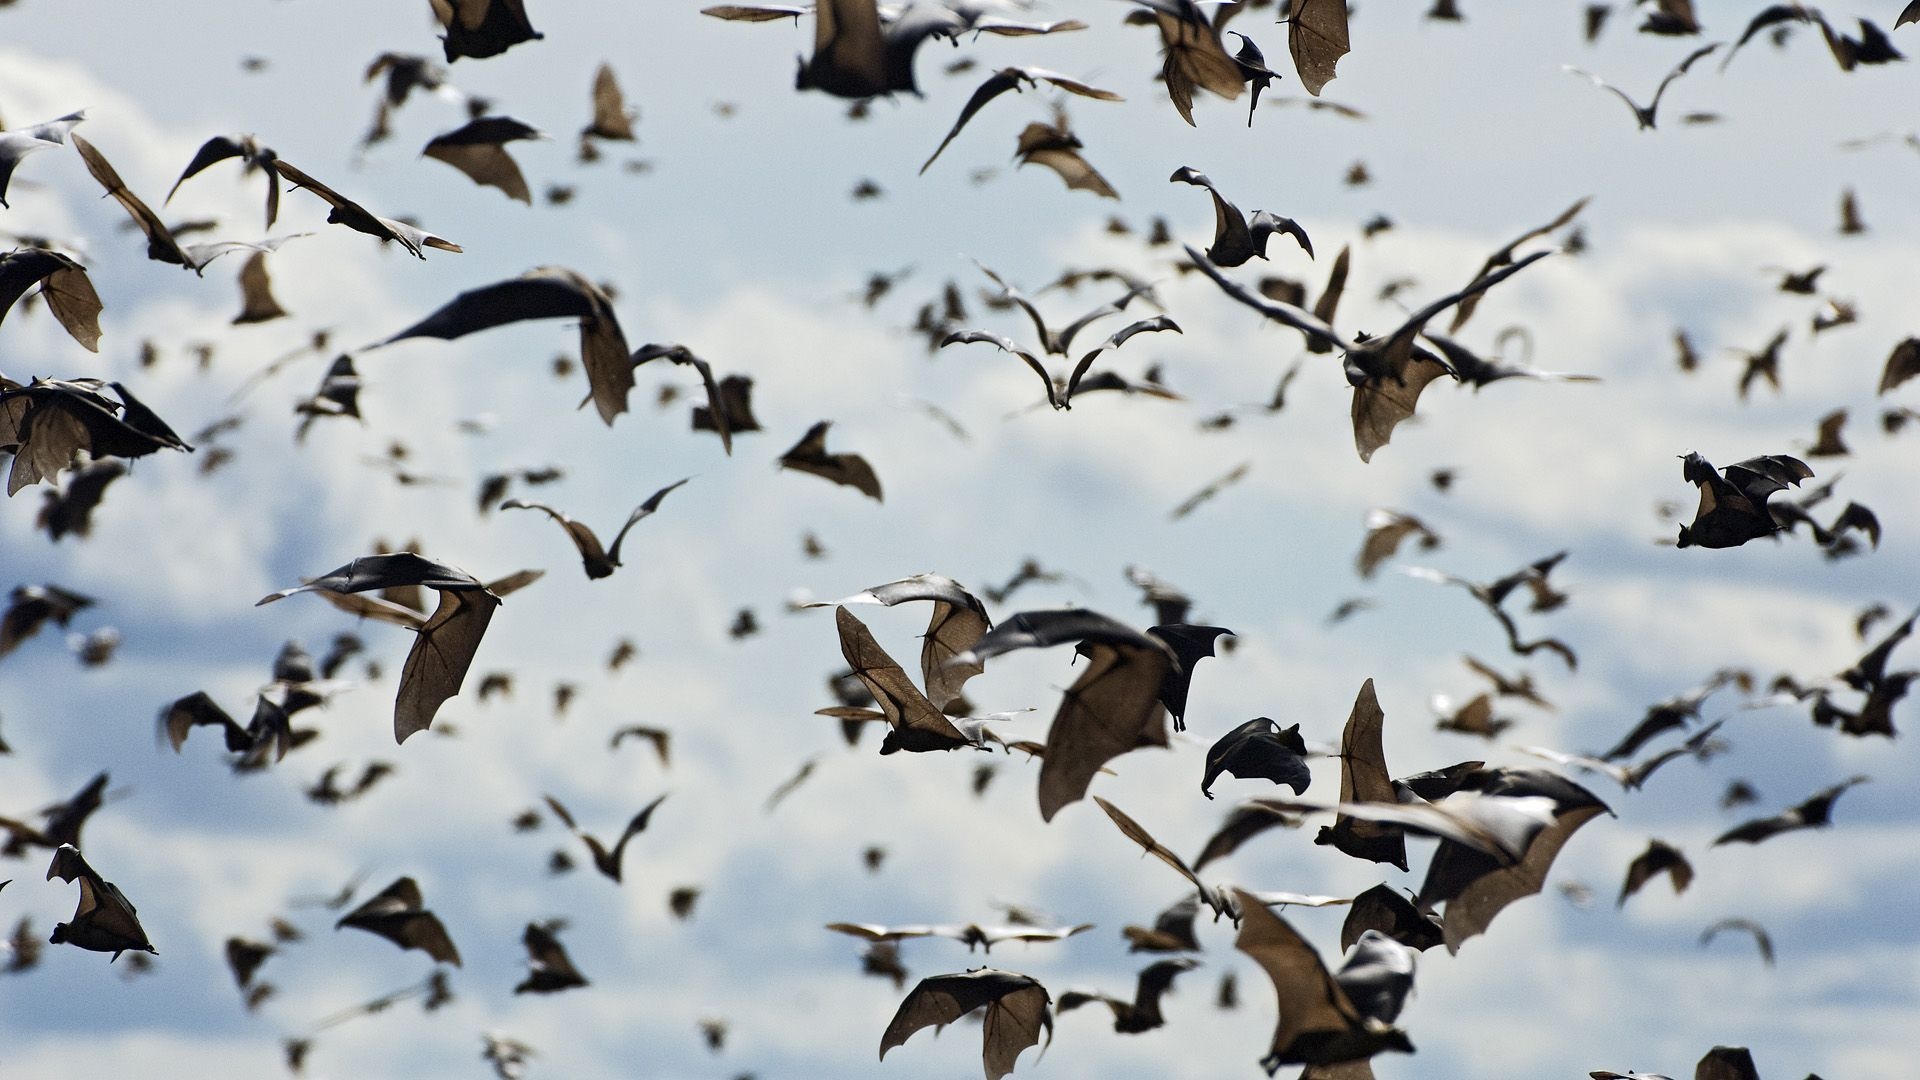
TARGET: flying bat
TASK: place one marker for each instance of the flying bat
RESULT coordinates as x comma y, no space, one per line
397,914
598,561
1504,257
1018,1008
1210,491
719,413
612,119
1389,912
1320,1023
731,411
257,302
478,148
858,52
1477,371
1646,114
1903,363
1317,39
959,619
48,421
1012,78
1214,897
607,861
1733,501
1056,147
64,286
447,640
971,934
545,292
810,455
69,511
1386,531
358,218
659,737
1761,939
64,820
1243,823
105,920
1492,596
15,145
162,246
1364,778
250,152
917,725
1259,750
1815,813
1238,237
482,28
550,969
1172,930
1193,55
1143,1012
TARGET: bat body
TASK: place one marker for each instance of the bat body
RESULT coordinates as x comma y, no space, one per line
482,28
606,860
358,218
1733,501
478,148
1259,750
1143,1012
1237,237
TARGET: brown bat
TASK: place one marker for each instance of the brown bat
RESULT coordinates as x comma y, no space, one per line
1172,930
1143,1012
810,455
550,969
598,561
659,737
959,619
1018,1008
1492,596
482,28
1761,939
162,246
69,511
1056,147
250,152
1194,56
104,920
1646,114
1320,1024
358,218
1243,823
48,421
607,861
257,303
1214,897
917,725
1317,39
1364,778
397,914
1815,813
1386,531
447,641
718,415
1012,78
1903,363
612,119
64,286
1238,237
478,148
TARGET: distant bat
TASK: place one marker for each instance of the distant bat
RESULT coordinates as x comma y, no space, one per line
599,562
1646,114
64,286
1903,363
1210,490
257,303
810,455
1815,813
478,148
251,153
718,414
104,920
971,934
1386,531
398,915
69,511
1238,237
1733,501
1214,898
659,737
1012,78
1143,1012
1659,858
1492,596
1761,939
1504,257
549,968
1172,930
612,119
605,860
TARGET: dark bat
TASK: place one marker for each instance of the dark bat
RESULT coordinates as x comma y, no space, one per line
338,395
550,969
1733,501
1659,858
791,784
244,958
731,411
1193,55
1646,114
358,218
1389,912
1762,364
1504,257
1675,712
64,286
162,245
1815,813
1871,47
607,861
251,153
717,413
1007,344
1243,823
1319,1023
612,119
546,292
1237,237
69,511
257,303
15,145
478,148
1903,363
916,724
397,914
1253,68
447,641
1492,596
1317,39
659,737
1143,1012
858,52
30,607
1060,342
598,561
1364,778
1259,750
1018,1008
1115,340
1386,531
482,28
1172,930
1214,897
959,620
105,920
48,421
327,790
1056,147
1630,777
1761,939
1012,78
1477,371
810,455
1190,643
1210,491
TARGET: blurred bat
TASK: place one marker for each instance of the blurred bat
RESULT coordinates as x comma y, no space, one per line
659,737
1492,596
971,934
49,421
1056,147
1645,114
397,914
257,303
1386,531
1172,930
718,415
64,286
1012,78
599,562
1214,897
1659,858
607,862
1018,1007
1389,912
1477,371
1761,939
1143,1012
1237,237
250,152
810,455
478,148
1243,823
1815,813
482,28
550,969
612,119
1212,489
1504,257
69,511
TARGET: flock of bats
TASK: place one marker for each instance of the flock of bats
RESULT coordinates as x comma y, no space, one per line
1498,829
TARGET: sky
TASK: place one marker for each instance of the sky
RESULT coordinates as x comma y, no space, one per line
740,240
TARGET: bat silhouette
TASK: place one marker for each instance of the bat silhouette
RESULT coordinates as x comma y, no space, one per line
482,28
49,421
1630,777
1492,596
661,739
358,218
478,148
612,119
162,246
327,791
1259,750
1646,114
16,145
1504,257
810,455
338,395
250,152
730,410
1659,858
1903,363
1477,371
1013,78
607,861
1815,813
1386,531
1172,930
1364,778
257,303
269,732
64,286
1143,1012
1675,712
959,620
30,607
1190,644
397,914
971,934
550,969
598,561
1193,55
1238,237
1210,491
244,958
1871,47
1733,501
1214,897
1387,373
916,724
1761,939
64,820
717,412
857,53
1253,68
69,511
447,640
1320,1022
1056,147
1243,823
1387,911
1018,1008
104,920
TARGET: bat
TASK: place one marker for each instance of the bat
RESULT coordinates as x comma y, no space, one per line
1108,380
327,790
1214,897
1476,717
858,53
1764,364
338,395
1237,237
1317,39
1477,371
1386,531
1013,78
269,730
1504,257
244,958
607,862
1172,930
1492,596
64,286
162,245
482,28
791,785
1659,858
1388,912
398,915
612,119
1646,114
550,969
917,726
447,641
30,607
1143,1012
104,920
250,152
717,412
1259,750
1761,939
1815,813
959,620
48,421
546,292
731,411
1871,47
1903,363
1018,1008
1630,778
16,145
257,303
1387,373
1193,55
478,148
69,511
1364,778
810,455
1243,823
598,561
1253,69
659,737
1060,342
1190,643
1733,501
1675,712
971,934
358,218
1319,1024
1210,491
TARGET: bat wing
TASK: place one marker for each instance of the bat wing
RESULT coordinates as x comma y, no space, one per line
1139,835
1317,39
371,572
917,724
1018,1010
1119,338
1112,708
644,510
996,84
485,163
1314,328
161,246
64,285
1317,1021
1692,57
635,826
1232,243
849,49
1472,909
257,303
1388,911
611,119
1243,823
211,153
1258,749
1505,255
1074,170
1903,362
1727,1063
535,295
1329,302
959,621
440,657
809,455
1195,57
1364,778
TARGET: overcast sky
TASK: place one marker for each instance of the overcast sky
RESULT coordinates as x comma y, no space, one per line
739,239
